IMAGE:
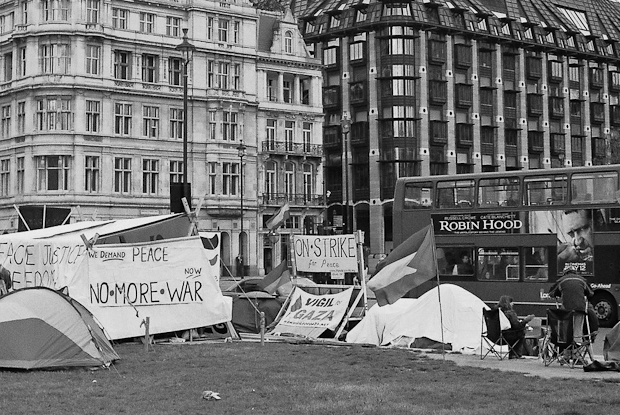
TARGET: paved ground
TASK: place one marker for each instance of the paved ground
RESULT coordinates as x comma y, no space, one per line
533,366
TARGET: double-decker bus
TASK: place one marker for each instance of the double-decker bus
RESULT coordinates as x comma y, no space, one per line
516,232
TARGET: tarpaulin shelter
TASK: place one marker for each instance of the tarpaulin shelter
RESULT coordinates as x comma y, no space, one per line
247,308
123,271
43,328
401,323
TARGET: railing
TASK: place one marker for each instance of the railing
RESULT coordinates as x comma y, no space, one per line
287,147
295,199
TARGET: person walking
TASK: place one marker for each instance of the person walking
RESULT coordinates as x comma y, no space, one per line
574,292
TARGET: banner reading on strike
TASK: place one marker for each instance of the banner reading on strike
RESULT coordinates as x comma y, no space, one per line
325,253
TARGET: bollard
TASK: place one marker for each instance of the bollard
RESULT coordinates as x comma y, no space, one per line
262,328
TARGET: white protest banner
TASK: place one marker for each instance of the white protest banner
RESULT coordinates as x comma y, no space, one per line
169,281
318,253
310,315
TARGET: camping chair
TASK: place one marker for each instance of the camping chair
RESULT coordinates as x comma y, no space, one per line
560,345
493,337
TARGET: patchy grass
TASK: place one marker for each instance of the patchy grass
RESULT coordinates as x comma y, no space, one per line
282,378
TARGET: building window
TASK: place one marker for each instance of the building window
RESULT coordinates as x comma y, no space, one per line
122,118
289,179
54,58
149,67
6,121
24,9
55,10
53,173
222,30
93,54
212,171
308,187
91,181
175,71
122,175
271,132
21,175
150,121
22,61
235,32
210,73
173,26
270,179
288,42
54,114
147,22
286,91
306,135
176,171
222,75
230,178
289,135
93,116
330,56
21,117
122,64
119,18
176,123
7,67
5,175
92,11
356,50
150,176
212,125
210,24
229,126
236,76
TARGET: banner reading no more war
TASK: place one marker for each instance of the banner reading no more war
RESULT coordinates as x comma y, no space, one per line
318,253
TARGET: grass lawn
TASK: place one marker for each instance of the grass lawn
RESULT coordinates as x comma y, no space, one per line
283,378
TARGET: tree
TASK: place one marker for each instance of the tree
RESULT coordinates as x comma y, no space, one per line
270,5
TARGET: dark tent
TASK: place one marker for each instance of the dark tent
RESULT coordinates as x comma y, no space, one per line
43,328
246,317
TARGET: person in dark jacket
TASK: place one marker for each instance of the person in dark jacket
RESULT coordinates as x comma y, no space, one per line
5,276
574,292
516,333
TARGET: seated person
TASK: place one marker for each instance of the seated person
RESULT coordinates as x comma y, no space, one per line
516,334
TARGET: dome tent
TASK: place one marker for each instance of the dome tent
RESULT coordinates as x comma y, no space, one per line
43,328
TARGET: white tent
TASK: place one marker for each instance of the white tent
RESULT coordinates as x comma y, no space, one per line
409,319
124,271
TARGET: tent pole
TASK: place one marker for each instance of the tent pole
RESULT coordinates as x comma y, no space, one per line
443,345
262,328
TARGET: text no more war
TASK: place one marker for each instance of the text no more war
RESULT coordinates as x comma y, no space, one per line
146,293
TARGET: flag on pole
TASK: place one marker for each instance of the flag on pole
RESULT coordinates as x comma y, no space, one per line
409,265
280,216
275,278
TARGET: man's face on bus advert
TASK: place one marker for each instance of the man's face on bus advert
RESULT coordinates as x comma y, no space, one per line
578,227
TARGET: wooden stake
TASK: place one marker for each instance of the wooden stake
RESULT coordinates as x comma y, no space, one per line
262,328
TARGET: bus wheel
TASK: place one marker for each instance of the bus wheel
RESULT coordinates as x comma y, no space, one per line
606,310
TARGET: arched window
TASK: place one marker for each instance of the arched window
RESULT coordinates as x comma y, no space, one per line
308,180
289,180
288,42
270,180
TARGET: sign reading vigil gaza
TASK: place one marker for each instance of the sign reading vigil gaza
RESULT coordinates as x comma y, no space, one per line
334,254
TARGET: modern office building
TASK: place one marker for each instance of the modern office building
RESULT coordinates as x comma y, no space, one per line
93,117
427,87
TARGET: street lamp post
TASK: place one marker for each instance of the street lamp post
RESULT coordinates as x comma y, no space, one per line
241,148
187,49
346,126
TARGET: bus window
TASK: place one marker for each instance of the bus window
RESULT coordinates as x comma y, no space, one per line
536,264
594,187
498,264
455,261
455,193
545,190
499,192
418,195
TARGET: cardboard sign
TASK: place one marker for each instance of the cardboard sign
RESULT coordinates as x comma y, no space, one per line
314,253
310,315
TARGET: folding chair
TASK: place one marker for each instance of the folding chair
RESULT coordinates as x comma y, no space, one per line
492,336
560,345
